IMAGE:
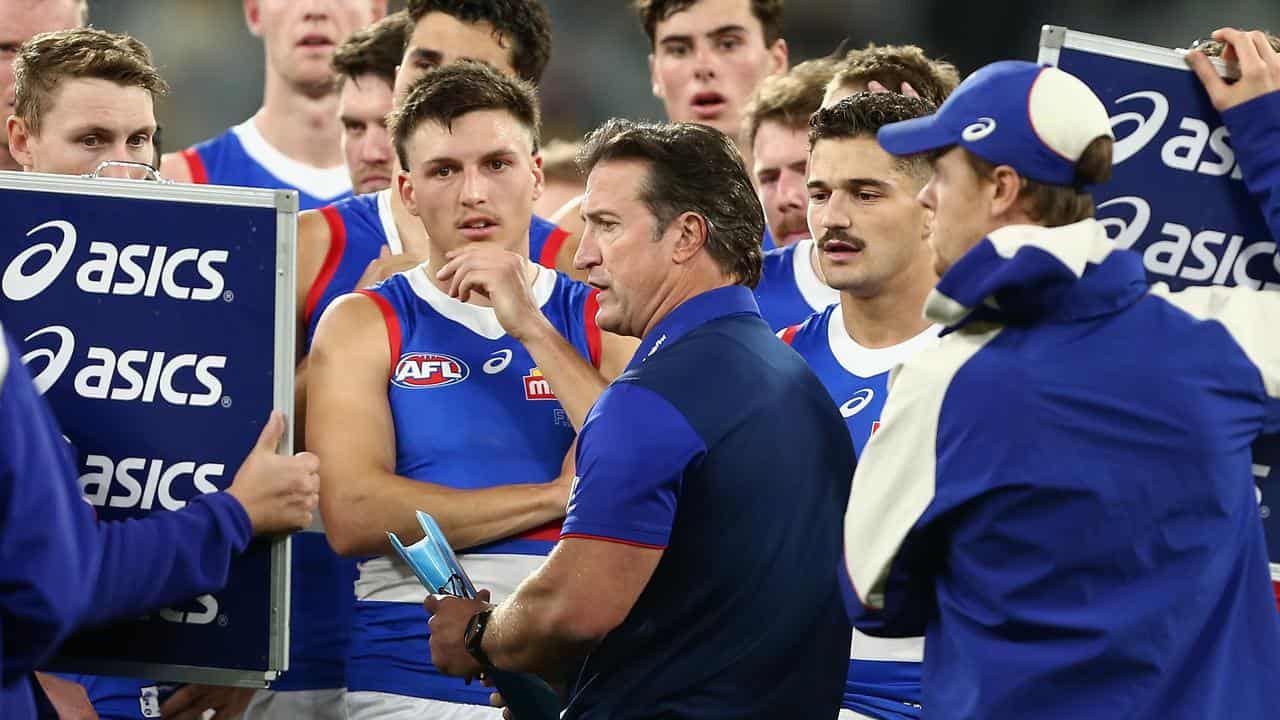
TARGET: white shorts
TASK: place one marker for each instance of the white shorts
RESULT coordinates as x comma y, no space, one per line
851,715
277,705
366,705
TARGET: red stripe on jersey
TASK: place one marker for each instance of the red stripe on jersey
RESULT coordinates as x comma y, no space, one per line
593,330
1275,585
789,334
337,245
551,248
194,164
619,541
549,532
393,326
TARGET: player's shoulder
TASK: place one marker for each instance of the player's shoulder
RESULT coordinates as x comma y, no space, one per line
809,332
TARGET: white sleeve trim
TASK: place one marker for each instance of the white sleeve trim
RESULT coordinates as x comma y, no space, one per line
1251,316
896,476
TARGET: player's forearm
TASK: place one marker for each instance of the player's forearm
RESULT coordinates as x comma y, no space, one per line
357,523
574,381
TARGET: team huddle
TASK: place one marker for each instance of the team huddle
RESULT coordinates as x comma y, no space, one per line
581,358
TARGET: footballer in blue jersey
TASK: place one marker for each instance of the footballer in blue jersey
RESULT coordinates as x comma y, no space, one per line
861,202
358,228
457,417
791,287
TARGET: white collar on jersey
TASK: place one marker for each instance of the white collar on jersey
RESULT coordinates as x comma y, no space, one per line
482,321
817,294
868,362
322,183
388,220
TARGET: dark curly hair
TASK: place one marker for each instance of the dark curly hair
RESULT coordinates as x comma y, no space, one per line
525,24
862,114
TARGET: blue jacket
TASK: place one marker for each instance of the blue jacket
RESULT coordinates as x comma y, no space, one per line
1060,493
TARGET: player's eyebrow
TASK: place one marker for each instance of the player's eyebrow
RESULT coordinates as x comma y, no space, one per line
427,56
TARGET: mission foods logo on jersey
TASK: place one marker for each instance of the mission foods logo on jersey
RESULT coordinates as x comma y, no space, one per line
536,387
420,370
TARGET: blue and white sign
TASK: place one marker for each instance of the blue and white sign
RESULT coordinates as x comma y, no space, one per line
157,320
1176,195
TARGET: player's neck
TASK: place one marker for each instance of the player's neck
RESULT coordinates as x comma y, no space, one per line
891,316
413,236
303,126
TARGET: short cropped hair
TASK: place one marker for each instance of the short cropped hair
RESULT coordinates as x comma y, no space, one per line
525,24
375,50
789,98
892,65
47,59
447,93
652,12
862,114
691,168
560,161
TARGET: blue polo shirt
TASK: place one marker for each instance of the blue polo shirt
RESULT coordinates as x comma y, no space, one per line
743,615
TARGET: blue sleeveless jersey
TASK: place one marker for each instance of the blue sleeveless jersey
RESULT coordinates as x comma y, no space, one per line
242,157
358,228
789,289
883,680
321,613
471,411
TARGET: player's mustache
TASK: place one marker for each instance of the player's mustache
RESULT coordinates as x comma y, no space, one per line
841,236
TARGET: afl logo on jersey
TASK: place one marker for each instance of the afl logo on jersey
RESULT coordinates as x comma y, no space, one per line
418,370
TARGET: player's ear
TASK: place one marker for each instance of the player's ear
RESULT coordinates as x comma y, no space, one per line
653,77
692,236
20,141
778,56
539,177
1005,187
404,185
253,17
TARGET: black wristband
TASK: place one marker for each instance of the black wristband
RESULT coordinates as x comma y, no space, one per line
473,639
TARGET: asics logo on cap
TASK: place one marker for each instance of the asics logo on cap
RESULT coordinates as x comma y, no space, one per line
978,130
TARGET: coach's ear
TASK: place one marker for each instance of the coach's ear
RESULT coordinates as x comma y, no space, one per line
691,236
20,141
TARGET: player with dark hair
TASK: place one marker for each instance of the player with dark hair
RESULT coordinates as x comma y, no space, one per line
457,416
872,241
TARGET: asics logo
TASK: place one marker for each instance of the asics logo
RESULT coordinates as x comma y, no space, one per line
20,285
855,404
1146,125
56,359
135,269
1196,147
978,130
1126,232
132,374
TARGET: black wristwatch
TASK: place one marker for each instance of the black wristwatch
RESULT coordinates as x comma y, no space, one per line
473,639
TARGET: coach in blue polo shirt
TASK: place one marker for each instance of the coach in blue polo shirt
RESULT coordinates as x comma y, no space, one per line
696,574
